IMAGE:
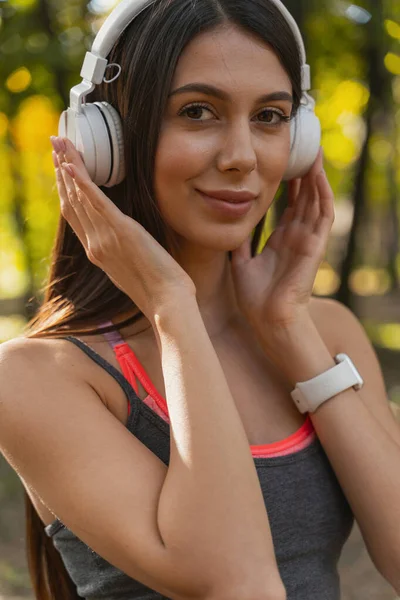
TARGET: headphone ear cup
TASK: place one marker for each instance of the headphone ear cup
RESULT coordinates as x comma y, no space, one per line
96,132
305,143
114,127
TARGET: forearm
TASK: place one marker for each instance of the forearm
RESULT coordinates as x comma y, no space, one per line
211,507
363,455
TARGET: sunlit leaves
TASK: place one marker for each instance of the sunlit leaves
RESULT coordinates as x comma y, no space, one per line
13,44
339,149
37,120
393,29
22,4
389,335
37,42
327,281
101,6
337,97
339,108
13,273
19,81
3,124
392,63
11,327
381,150
367,281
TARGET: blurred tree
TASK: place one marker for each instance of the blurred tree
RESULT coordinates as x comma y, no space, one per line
376,116
39,39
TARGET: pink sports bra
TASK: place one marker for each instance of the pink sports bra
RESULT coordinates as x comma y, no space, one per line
132,370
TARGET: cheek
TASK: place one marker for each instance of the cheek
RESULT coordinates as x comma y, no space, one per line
181,156
273,162
180,159
275,157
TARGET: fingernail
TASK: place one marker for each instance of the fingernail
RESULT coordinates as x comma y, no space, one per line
55,143
69,170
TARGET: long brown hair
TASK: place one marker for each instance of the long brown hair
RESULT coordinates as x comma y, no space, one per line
78,295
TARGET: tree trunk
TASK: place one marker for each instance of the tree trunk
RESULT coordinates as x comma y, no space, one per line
376,79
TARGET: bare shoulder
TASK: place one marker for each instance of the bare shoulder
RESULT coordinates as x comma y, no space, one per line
342,331
338,325
59,363
34,366
42,356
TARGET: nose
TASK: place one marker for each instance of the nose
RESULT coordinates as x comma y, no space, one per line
237,151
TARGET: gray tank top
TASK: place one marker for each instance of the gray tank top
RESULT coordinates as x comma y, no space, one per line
309,515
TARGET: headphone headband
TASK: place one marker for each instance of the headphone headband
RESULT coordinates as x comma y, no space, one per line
116,23
95,63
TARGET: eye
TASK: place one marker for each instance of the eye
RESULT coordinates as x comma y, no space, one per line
195,110
273,117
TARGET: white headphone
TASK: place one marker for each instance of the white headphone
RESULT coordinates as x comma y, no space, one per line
96,129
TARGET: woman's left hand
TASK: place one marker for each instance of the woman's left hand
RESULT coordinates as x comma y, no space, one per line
273,289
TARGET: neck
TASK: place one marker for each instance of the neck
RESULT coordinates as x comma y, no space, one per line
212,276
215,294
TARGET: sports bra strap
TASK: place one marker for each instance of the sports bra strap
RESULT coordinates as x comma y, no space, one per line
113,337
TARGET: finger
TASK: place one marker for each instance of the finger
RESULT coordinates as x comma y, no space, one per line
287,216
327,206
97,199
293,190
312,211
97,226
97,212
300,204
274,241
66,209
59,148
101,219
72,209
308,189
78,203
242,254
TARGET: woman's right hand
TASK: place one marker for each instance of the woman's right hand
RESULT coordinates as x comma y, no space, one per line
134,261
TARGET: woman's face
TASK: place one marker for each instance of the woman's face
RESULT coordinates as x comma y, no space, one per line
221,132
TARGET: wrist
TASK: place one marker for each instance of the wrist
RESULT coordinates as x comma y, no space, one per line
298,351
173,311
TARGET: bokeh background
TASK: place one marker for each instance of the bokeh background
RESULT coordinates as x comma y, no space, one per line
354,52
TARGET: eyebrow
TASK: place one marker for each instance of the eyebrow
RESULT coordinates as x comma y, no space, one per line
210,90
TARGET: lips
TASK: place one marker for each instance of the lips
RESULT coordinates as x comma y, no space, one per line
231,196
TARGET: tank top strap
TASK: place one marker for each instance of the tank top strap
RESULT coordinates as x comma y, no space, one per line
130,393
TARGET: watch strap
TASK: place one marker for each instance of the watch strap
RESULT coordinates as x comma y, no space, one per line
308,395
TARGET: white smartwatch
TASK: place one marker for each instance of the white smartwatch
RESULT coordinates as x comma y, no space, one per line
309,395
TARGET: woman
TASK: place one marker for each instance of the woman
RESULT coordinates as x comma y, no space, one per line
149,490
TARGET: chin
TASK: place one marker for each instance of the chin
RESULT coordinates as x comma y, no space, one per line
222,240
213,235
